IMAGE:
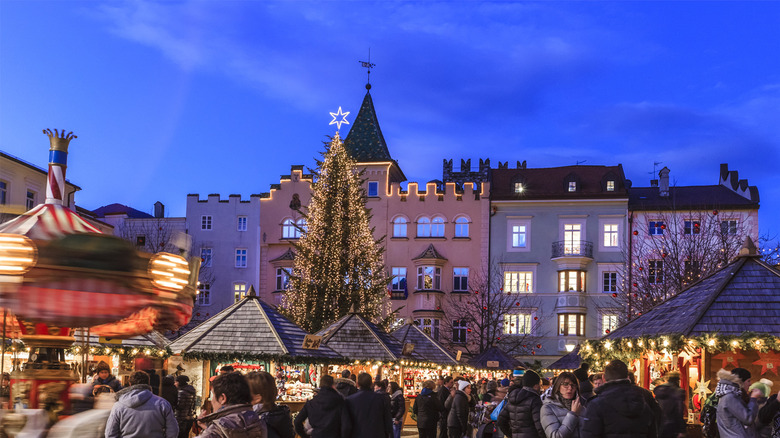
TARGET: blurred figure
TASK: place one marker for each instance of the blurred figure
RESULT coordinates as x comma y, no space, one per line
138,413
428,409
184,409
205,410
154,382
227,369
264,392
81,397
671,398
444,394
324,412
105,378
490,393
87,424
233,415
397,408
169,391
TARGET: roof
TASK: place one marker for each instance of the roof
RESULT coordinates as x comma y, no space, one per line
151,339
32,166
495,354
430,253
358,339
687,197
48,221
552,183
250,326
569,361
424,345
120,209
743,296
287,255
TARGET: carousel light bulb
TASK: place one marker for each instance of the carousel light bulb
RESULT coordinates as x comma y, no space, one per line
17,254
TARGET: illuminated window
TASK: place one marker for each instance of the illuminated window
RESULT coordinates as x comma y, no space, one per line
610,186
205,222
519,236
518,281
571,239
571,324
610,235
204,294
519,188
517,324
571,281
428,278
461,227
572,186
239,291
373,189
437,227
240,258
430,326
460,279
608,324
399,227
282,279
423,227
242,223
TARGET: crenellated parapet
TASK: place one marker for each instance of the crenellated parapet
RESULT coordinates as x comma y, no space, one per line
505,165
215,198
466,174
730,179
440,191
295,177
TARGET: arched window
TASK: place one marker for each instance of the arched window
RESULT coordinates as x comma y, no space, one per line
423,227
437,227
288,229
302,227
399,227
461,227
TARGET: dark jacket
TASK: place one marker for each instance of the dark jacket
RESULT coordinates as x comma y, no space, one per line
170,393
185,408
619,410
138,413
234,421
110,381
345,387
766,416
324,412
443,393
367,415
520,417
458,416
428,409
277,420
397,406
671,399
586,390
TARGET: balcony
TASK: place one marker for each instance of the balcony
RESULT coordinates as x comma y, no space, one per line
572,254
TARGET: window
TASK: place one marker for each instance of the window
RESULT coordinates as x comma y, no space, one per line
293,229
460,279
204,294
282,279
3,192
205,222
692,271
140,240
518,281
428,278
655,273
373,189
30,199
240,258
608,323
571,281
517,324
726,227
437,227
242,223
691,227
461,227
572,186
609,282
239,291
519,236
398,283
423,227
610,235
610,186
399,227
459,329
519,188
302,226
571,239
656,228
430,326
571,324
205,257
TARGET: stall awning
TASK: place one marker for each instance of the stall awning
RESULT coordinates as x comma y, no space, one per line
358,339
569,361
424,345
497,355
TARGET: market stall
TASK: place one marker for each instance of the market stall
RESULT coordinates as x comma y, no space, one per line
568,362
441,362
493,363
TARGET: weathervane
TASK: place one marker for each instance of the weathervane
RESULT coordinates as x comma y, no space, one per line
339,118
368,65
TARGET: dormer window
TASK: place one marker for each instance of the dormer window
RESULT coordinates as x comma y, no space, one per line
519,188
610,186
572,186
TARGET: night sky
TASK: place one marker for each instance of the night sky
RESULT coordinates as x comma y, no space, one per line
171,98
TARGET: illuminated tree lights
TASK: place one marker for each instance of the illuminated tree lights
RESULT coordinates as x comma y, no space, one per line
338,262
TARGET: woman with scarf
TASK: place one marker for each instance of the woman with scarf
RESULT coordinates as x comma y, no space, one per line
735,418
427,408
560,413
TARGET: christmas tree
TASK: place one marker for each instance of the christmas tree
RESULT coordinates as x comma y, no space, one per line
338,262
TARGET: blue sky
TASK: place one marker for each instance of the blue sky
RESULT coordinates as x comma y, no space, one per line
171,98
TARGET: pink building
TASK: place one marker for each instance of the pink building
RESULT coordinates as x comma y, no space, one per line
436,232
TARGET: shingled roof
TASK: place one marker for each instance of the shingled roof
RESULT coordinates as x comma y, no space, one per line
151,339
495,354
552,183
744,296
569,361
358,339
688,197
424,345
250,327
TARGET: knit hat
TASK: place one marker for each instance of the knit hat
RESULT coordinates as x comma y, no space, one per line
765,385
462,384
492,385
102,366
530,378
182,379
742,373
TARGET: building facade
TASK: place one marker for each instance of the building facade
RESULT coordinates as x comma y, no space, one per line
23,186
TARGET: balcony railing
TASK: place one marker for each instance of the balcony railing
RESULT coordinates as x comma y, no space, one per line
575,248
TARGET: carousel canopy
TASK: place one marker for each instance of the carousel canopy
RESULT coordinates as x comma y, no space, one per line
48,221
744,296
424,345
249,328
151,339
569,361
358,339
495,354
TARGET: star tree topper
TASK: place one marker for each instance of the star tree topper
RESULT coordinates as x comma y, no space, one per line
703,388
339,118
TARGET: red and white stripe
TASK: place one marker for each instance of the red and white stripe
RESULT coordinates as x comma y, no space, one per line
55,189
47,222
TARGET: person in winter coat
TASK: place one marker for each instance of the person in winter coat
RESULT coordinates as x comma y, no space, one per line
520,417
443,394
458,406
767,416
367,413
344,385
735,418
138,413
671,398
104,378
491,389
169,391
619,409
324,412
264,392
560,413
427,408
397,408
233,416
185,405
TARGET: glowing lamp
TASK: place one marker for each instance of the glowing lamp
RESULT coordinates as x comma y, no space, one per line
608,345
17,254
169,272
570,347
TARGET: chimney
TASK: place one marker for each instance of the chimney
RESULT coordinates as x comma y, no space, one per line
653,183
58,163
159,209
663,176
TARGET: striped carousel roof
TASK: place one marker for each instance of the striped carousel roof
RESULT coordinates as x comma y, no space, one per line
47,222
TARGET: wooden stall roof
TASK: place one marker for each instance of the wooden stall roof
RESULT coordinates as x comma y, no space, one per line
249,326
358,339
744,296
569,361
494,354
151,339
424,345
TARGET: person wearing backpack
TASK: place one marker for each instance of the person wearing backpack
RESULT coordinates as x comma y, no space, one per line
734,417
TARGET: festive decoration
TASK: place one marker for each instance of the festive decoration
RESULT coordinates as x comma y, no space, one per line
769,361
339,118
702,388
338,262
729,357
686,355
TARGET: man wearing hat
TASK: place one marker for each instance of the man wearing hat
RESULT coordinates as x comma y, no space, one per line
185,407
520,416
458,405
735,418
